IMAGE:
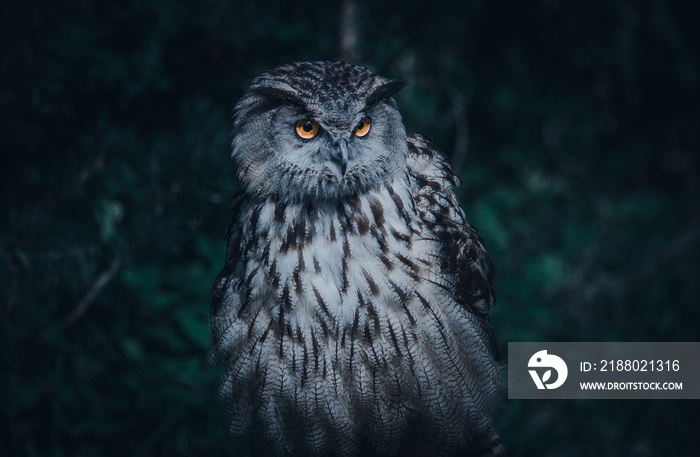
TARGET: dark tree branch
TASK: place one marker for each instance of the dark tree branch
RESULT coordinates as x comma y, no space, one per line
102,281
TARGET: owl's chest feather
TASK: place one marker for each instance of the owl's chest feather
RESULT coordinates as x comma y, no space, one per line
324,262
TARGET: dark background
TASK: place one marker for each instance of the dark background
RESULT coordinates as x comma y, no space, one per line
574,126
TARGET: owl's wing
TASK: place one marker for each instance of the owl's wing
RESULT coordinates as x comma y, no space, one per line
222,299
466,267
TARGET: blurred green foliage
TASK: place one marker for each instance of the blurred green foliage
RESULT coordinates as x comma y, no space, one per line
573,125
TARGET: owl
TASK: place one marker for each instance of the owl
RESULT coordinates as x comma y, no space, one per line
351,317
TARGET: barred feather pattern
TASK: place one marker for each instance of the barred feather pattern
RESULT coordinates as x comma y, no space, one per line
358,325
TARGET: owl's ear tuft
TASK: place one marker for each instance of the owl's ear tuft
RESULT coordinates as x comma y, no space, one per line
385,91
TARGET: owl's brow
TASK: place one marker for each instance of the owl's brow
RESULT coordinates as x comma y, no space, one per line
279,96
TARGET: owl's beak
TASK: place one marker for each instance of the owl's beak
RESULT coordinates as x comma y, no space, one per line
340,155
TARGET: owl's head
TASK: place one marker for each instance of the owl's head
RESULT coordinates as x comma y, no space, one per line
318,130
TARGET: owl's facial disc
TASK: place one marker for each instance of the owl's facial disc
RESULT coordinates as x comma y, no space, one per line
308,129
318,131
336,150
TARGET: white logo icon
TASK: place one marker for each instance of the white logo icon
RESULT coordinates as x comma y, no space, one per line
543,360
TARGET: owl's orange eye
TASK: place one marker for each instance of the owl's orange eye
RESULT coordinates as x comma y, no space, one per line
362,128
307,128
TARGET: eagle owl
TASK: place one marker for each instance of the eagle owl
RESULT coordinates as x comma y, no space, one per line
351,316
